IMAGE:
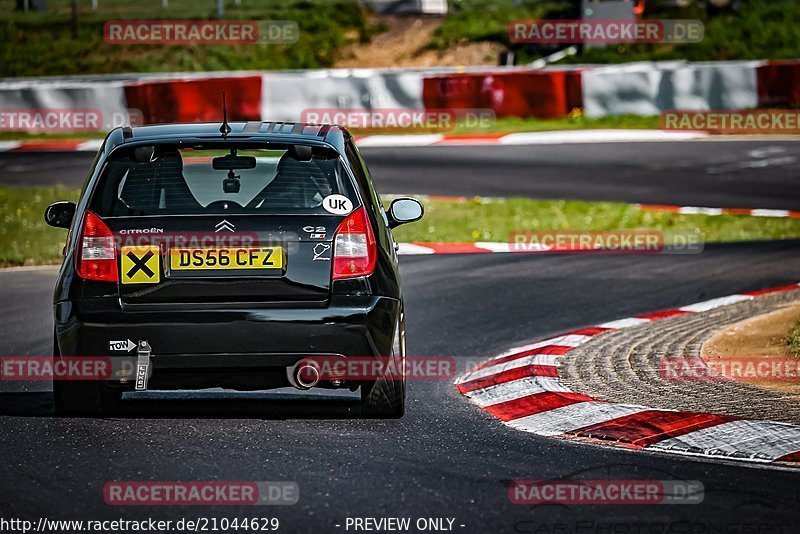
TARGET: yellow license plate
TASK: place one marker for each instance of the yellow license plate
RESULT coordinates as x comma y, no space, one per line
188,259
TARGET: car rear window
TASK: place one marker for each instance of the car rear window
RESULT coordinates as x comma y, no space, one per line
168,180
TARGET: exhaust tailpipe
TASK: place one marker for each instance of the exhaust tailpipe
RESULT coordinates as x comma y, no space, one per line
303,375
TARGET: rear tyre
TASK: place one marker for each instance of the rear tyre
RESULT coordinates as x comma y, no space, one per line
82,397
386,396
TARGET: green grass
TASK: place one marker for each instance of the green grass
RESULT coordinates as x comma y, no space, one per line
25,239
793,340
763,29
41,44
495,219
487,20
576,121
501,126
40,136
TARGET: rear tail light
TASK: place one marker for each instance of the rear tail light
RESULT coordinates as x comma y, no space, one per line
97,255
354,249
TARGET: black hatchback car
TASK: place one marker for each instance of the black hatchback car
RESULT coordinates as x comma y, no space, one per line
229,257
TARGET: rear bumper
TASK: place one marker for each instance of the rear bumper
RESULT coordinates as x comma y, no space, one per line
204,347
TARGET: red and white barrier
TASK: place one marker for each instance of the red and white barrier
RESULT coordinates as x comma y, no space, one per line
779,84
195,100
637,88
649,88
105,97
286,95
542,93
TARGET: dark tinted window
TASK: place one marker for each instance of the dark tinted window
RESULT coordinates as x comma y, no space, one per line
171,182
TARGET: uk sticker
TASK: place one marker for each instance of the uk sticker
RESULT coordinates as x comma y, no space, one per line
322,252
141,265
337,204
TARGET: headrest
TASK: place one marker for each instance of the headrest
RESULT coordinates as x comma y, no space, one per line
144,154
300,152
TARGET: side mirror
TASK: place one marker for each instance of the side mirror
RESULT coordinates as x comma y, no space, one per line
404,210
59,214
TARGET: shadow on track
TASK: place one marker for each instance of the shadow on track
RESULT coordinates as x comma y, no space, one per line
199,405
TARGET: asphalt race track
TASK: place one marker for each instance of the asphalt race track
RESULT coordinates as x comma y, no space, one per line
730,174
445,458
726,174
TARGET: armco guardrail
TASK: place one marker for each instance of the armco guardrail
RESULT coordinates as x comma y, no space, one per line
195,100
652,87
639,88
284,95
779,84
541,93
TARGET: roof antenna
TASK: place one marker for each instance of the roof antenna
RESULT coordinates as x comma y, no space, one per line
225,129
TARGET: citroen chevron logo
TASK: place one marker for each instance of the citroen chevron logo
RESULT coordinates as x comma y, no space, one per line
224,225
